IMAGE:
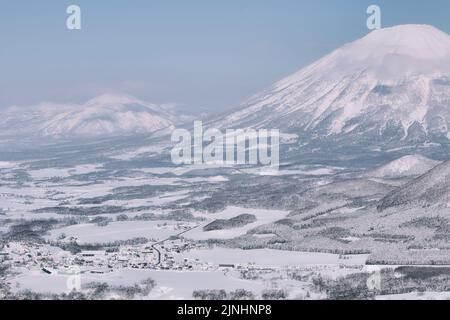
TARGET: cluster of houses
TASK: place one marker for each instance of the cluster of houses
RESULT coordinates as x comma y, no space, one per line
54,260
32,255
167,255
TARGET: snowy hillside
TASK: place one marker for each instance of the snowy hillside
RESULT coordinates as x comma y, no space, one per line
412,165
432,188
393,84
103,116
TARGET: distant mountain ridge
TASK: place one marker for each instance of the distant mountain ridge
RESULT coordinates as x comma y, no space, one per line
105,115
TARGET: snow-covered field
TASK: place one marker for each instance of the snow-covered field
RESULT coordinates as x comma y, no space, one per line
8,164
262,216
178,285
170,284
270,258
64,172
417,296
126,230
301,171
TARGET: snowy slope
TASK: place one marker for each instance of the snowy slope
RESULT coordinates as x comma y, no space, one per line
412,165
395,82
432,188
103,116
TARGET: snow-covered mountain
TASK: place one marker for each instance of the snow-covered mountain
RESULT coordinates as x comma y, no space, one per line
430,189
105,115
392,85
407,166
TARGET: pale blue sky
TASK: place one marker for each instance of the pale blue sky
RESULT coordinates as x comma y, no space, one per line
209,54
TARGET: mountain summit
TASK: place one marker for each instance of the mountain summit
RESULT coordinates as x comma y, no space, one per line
391,85
418,42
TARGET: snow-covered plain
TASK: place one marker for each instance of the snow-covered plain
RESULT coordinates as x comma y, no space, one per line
115,231
271,258
417,296
170,284
262,216
63,173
